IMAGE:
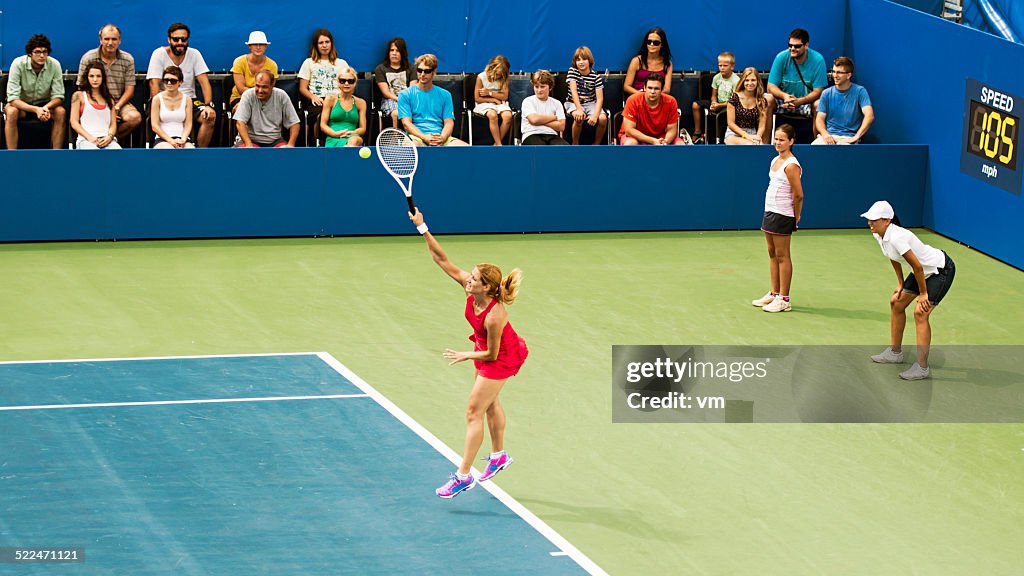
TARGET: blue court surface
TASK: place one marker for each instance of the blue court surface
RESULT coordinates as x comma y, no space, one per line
279,464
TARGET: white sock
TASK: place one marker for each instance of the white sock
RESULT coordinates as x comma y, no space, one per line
460,476
496,454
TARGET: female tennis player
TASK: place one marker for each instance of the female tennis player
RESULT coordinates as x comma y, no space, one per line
931,264
782,204
498,353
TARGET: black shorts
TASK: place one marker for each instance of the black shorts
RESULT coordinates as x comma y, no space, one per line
775,223
938,284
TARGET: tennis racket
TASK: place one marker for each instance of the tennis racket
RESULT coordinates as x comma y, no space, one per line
398,155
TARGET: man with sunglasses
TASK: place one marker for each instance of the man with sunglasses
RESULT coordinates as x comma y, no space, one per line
35,90
797,77
425,110
194,68
120,67
844,112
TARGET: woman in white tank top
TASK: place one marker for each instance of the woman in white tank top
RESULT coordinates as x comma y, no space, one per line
782,204
90,111
171,117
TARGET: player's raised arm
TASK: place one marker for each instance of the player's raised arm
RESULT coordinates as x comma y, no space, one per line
457,274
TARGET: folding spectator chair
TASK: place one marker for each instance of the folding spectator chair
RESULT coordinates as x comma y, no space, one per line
716,123
614,92
70,87
137,138
220,104
290,84
519,89
616,124
310,120
685,89
227,82
454,83
364,89
378,120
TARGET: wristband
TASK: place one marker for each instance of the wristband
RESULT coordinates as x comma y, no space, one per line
422,228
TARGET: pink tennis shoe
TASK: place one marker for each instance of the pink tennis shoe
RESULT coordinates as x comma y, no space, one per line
495,465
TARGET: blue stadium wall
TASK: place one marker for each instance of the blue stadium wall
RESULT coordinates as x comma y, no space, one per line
916,67
464,34
331,191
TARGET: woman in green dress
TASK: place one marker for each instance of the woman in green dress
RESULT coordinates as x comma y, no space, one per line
343,121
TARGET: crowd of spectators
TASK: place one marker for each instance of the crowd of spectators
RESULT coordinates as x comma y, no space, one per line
182,112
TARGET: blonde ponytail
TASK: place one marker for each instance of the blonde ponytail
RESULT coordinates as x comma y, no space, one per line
510,286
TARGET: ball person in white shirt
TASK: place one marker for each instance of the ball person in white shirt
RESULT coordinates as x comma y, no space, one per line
932,272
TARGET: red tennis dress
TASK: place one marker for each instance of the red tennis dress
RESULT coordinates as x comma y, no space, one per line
512,351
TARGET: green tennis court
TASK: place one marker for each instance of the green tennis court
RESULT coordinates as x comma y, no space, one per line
634,498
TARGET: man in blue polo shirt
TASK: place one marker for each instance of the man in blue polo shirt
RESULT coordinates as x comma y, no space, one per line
425,110
35,89
844,111
798,76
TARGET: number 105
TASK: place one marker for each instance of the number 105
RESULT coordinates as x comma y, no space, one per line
992,133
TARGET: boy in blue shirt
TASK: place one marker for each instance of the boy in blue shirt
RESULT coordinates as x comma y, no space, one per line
844,111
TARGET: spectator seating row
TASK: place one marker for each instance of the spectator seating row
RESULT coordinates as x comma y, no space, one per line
687,87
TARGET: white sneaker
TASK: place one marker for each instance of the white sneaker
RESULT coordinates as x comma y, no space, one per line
778,305
915,372
888,357
763,300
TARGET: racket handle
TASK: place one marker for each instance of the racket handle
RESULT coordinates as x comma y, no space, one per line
412,207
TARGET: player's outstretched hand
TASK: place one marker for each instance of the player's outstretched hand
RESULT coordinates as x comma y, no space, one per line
416,218
455,357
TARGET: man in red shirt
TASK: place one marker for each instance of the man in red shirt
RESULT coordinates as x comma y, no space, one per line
650,117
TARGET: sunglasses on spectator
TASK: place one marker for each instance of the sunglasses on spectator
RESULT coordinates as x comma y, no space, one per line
171,80
179,38
424,70
346,80
654,42
795,46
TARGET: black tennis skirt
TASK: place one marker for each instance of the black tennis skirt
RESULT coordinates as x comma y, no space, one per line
775,223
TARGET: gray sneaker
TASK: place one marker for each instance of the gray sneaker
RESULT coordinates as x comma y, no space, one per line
915,372
888,357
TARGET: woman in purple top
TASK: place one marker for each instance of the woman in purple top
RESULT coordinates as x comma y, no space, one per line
654,55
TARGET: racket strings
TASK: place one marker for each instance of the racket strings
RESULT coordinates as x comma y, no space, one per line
399,159
397,152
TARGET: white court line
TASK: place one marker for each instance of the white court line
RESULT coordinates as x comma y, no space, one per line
565,548
131,359
173,402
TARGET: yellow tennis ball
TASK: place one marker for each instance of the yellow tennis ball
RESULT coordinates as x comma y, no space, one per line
364,152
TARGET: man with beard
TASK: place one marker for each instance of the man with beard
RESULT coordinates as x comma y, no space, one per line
193,67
